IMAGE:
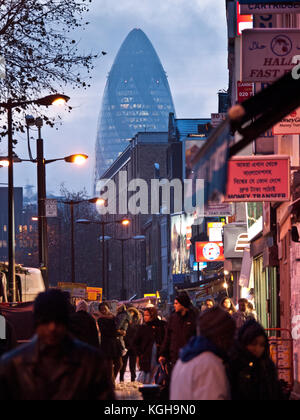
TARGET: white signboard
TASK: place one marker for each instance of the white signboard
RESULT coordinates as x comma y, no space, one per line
268,53
219,210
51,208
252,9
289,125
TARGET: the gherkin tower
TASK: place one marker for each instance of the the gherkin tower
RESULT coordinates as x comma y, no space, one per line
137,98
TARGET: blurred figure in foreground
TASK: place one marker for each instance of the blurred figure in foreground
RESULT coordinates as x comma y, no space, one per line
200,372
253,374
54,366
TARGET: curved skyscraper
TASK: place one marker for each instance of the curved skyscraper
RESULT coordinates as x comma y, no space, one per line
137,98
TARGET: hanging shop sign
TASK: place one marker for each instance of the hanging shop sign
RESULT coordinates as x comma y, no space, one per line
209,251
244,91
219,210
258,179
268,53
289,125
271,7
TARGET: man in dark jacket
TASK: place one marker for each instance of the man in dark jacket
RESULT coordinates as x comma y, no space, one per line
83,326
181,327
54,366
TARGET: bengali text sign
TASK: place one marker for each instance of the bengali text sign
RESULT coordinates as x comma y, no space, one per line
258,178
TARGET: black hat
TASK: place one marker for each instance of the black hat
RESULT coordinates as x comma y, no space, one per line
52,306
184,300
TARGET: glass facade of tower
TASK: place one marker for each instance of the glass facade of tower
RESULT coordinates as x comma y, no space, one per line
137,98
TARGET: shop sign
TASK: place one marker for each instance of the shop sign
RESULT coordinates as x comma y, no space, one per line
76,290
94,294
258,179
290,125
235,240
209,251
219,210
217,119
271,7
244,91
268,53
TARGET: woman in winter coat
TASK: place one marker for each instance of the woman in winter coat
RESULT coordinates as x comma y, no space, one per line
252,373
148,341
110,344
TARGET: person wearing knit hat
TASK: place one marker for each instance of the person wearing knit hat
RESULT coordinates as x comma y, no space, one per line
54,365
200,372
184,300
180,328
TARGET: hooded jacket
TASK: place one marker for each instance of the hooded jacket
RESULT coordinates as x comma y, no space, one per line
200,373
253,379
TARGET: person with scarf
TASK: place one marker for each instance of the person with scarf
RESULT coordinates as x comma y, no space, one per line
200,373
252,373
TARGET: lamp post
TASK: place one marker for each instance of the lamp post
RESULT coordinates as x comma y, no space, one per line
123,292
72,203
123,222
41,179
9,106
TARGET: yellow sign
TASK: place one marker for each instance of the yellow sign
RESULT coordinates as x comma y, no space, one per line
76,290
94,294
150,295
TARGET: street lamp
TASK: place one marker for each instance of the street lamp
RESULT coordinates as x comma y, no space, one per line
123,293
72,203
123,222
78,159
9,106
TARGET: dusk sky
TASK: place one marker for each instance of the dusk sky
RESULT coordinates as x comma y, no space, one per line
190,38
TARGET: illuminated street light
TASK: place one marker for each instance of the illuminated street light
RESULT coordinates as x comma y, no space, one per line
9,106
78,159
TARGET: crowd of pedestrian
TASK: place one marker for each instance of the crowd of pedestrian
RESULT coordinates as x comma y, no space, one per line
217,353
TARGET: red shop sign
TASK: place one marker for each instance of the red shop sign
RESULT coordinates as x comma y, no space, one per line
244,91
258,178
209,251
